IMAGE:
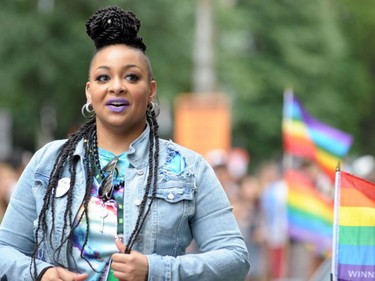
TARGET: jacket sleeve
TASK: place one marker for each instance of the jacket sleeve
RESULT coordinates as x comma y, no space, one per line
223,254
16,230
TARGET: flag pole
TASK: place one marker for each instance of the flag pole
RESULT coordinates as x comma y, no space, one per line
336,223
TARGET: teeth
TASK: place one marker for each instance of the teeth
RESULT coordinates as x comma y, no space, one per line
117,103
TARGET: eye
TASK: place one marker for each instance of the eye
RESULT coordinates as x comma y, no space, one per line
102,78
132,77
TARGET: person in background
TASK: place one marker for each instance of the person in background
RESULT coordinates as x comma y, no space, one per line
219,161
8,179
114,201
247,211
274,211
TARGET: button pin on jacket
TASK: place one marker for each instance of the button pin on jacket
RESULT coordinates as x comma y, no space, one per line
62,187
170,196
137,202
140,172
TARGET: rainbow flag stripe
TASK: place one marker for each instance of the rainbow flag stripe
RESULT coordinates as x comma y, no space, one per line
305,136
310,215
295,131
355,229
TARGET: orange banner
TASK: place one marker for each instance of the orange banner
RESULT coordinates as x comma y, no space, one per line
203,122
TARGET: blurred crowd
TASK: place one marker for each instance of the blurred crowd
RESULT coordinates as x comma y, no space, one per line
10,170
259,203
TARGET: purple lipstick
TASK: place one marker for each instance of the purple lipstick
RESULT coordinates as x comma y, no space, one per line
117,105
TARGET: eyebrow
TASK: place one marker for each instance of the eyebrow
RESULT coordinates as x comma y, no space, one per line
127,66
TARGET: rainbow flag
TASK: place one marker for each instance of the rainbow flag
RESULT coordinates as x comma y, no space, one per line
304,136
310,215
354,229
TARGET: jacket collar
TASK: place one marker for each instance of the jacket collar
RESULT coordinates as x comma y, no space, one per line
138,149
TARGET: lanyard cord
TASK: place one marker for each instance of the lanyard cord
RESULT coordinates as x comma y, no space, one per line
106,191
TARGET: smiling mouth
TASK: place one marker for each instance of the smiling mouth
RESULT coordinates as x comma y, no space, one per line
117,105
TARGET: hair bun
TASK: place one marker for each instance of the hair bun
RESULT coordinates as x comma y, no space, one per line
113,25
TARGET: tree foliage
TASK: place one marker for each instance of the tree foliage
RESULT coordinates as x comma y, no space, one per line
298,44
322,49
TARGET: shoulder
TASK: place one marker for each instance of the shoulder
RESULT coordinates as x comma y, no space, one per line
43,159
48,152
50,148
170,147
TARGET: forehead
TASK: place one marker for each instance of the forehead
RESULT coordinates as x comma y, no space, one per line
118,54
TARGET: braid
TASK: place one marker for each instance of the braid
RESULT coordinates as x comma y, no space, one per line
152,179
68,221
64,157
92,151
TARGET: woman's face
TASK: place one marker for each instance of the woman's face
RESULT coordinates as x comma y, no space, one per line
119,88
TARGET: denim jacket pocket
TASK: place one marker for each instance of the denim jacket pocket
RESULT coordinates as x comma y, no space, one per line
175,191
40,186
173,206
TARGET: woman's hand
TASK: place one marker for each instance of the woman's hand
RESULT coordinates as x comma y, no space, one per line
129,267
62,274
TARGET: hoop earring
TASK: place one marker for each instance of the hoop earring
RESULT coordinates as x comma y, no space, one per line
153,107
87,111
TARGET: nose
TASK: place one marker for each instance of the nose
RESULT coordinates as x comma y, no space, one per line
117,86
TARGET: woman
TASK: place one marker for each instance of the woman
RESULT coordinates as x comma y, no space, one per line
114,200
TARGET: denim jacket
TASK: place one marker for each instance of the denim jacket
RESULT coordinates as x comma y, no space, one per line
190,204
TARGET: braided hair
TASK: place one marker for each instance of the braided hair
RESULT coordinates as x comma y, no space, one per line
112,25
106,27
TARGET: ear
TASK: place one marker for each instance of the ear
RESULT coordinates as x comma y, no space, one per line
153,87
87,91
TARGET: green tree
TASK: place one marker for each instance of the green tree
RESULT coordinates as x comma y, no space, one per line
265,48
358,22
323,49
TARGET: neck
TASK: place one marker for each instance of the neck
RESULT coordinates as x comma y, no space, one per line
115,141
